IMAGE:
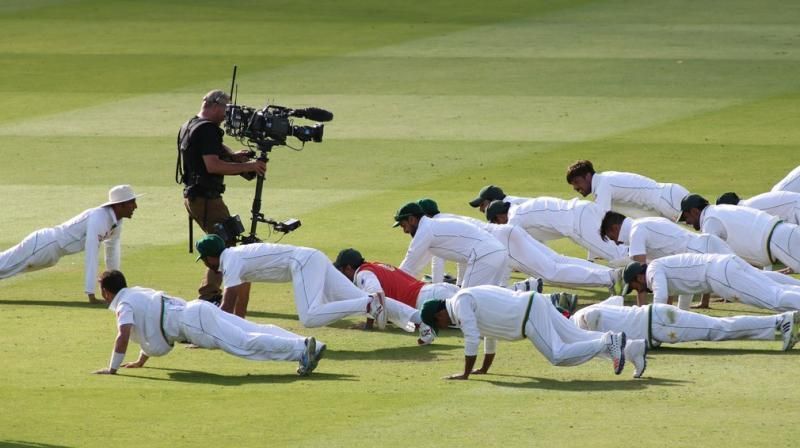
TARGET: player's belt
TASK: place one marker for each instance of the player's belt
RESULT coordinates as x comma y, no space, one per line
163,316
769,238
527,315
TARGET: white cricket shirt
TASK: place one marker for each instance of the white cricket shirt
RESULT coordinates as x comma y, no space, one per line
746,230
789,183
783,204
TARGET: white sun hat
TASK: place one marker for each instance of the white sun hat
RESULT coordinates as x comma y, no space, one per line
120,193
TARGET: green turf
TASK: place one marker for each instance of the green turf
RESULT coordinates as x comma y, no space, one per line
435,98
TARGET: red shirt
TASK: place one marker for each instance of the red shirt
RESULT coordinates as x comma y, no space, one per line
396,283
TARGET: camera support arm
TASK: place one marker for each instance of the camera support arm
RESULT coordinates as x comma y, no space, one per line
255,212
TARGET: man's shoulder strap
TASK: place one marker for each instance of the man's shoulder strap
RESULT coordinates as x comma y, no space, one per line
187,129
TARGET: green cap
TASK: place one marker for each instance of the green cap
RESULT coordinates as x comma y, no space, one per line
406,211
496,208
428,313
209,246
348,257
488,193
690,202
429,206
629,274
728,198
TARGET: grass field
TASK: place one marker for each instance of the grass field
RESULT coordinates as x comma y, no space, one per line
434,98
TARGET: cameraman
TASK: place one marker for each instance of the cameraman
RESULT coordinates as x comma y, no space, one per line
205,161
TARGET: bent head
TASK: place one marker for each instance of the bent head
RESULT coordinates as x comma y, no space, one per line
580,175
348,261
111,282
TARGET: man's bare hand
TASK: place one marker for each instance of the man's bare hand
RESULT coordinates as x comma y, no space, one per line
94,300
133,365
480,371
105,371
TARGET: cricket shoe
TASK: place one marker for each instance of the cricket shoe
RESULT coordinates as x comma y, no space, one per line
615,344
529,284
426,335
319,354
636,352
789,329
377,309
567,301
308,358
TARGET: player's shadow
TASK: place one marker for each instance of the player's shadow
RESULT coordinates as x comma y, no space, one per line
194,376
403,353
24,444
578,385
706,351
58,303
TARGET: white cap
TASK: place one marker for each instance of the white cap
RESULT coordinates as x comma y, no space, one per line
120,193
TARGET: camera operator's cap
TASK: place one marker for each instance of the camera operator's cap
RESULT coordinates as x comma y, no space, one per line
429,206
120,193
348,257
217,97
629,274
728,198
488,193
496,208
406,211
691,201
209,246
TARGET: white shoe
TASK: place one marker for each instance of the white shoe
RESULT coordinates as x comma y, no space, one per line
789,329
615,344
636,352
308,358
426,335
377,309
529,284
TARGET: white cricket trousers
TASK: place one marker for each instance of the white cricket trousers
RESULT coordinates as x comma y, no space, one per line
205,325
736,280
487,269
785,245
561,342
537,260
670,324
38,250
324,295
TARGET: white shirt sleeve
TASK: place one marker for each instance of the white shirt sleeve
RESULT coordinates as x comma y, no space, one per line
418,255
714,226
96,229
659,286
469,325
368,281
124,314
602,195
437,269
231,271
112,248
638,242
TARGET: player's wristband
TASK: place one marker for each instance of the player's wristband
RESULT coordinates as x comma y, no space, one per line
116,360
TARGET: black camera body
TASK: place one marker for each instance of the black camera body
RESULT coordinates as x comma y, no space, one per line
273,124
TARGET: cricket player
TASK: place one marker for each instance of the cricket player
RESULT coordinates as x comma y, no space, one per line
394,283
546,218
451,239
496,313
659,323
728,276
789,183
156,321
651,238
783,204
491,193
85,232
322,294
756,236
628,193
431,210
